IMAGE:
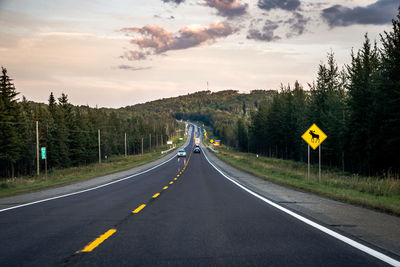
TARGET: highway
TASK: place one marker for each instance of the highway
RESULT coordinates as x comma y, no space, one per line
182,213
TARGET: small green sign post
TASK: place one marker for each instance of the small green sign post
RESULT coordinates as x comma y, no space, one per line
43,150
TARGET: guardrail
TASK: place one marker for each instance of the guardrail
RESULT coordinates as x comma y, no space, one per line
212,149
166,151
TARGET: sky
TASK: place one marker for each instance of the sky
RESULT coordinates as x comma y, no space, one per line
123,52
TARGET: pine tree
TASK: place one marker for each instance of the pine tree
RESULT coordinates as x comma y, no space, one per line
361,128
389,98
9,115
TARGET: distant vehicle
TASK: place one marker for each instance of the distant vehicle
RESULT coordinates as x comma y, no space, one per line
181,153
197,145
197,141
196,150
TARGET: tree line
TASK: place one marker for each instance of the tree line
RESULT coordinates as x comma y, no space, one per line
69,132
358,107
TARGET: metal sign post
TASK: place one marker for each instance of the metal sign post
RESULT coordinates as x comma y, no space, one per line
319,165
308,172
44,156
314,136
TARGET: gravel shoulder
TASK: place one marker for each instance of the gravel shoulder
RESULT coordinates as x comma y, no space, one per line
379,230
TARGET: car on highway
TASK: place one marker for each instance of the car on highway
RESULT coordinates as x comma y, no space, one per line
196,149
181,153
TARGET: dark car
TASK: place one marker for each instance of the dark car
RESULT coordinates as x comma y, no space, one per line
196,150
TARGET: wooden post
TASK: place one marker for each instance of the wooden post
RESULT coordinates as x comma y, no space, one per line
98,134
37,148
45,163
126,154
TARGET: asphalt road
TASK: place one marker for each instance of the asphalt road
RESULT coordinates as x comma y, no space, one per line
201,219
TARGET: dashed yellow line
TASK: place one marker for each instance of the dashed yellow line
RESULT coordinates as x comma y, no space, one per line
165,187
156,195
175,178
138,209
171,182
98,241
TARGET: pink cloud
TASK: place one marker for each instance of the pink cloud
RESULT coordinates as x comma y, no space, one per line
152,39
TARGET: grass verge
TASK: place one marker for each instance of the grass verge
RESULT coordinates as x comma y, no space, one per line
380,193
58,177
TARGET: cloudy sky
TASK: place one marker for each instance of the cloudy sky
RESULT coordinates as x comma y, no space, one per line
123,52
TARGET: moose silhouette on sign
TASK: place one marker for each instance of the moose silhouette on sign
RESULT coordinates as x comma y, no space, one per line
314,137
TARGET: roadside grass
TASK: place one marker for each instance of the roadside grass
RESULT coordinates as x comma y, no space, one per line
58,177
380,193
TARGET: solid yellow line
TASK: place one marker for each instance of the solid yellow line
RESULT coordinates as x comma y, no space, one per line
156,195
139,208
165,187
98,240
171,182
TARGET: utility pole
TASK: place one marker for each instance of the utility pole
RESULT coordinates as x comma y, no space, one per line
150,141
98,132
37,148
142,145
125,147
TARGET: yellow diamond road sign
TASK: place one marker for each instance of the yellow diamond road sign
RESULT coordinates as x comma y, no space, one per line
314,136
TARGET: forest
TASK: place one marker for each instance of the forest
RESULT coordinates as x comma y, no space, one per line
357,106
70,133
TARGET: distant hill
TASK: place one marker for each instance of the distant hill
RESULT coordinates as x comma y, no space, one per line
219,110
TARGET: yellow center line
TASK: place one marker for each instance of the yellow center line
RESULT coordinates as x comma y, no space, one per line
156,195
98,241
175,178
171,182
165,187
139,208
177,175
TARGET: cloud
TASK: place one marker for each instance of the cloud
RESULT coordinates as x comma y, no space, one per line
266,34
174,1
153,39
132,68
133,55
297,24
228,8
288,5
380,12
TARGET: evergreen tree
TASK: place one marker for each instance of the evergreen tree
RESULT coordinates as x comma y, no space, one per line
361,130
10,142
389,98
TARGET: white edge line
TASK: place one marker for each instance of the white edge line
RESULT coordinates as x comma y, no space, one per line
86,190
342,238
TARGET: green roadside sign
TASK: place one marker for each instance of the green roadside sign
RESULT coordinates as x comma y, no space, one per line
43,149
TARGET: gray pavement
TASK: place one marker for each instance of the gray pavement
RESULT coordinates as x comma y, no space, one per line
375,228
